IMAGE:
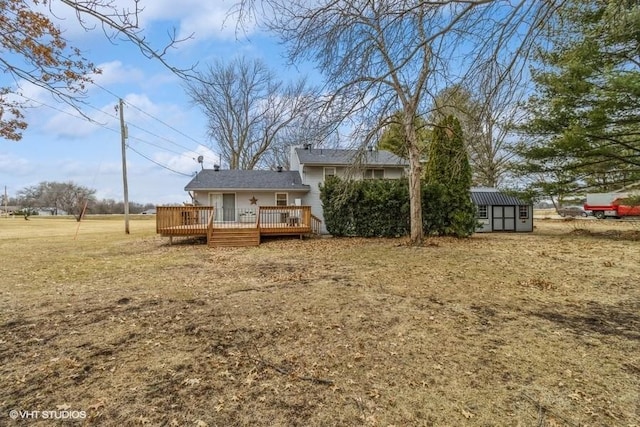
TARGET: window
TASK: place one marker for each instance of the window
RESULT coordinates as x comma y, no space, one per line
523,212
374,173
482,212
282,199
329,172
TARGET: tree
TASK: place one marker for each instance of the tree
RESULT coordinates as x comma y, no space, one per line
394,138
249,110
484,118
449,173
583,129
67,196
33,50
391,56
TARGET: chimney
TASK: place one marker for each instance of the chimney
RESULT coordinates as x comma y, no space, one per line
216,168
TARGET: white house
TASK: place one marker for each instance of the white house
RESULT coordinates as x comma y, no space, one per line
237,193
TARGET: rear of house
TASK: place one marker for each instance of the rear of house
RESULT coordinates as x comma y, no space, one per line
315,165
501,212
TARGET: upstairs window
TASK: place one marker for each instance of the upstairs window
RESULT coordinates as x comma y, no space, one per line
374,173
329,172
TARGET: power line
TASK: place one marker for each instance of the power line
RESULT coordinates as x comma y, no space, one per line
158,136
166,124
149,115
158,163
82,117
104,126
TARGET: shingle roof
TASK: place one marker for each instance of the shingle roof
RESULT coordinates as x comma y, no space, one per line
209,179
323,156
491,196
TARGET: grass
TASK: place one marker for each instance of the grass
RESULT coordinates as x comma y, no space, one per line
500,329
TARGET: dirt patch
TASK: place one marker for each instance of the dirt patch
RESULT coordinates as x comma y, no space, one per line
500,329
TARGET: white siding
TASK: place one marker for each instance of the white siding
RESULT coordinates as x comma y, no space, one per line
313,176
525,224
294,162
243,197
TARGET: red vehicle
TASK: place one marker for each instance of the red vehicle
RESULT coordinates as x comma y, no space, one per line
612,205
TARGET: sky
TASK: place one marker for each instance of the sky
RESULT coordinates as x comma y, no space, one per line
166,132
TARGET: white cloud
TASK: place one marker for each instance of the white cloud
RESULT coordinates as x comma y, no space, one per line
14,165
69,123
207,19
187,162
114,72
204,19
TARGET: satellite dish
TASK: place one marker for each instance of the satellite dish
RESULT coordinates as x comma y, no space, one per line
200,159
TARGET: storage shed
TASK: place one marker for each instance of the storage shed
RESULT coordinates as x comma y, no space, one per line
498,211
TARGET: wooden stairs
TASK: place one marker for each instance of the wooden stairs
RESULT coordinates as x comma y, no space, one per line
234,237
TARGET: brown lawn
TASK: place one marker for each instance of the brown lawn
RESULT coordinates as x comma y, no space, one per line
537,329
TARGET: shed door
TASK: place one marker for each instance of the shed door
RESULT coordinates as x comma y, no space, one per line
504,218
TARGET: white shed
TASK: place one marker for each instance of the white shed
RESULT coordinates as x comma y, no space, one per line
501,212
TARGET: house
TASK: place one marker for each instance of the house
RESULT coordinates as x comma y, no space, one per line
9,210
237,193
498,211
246,204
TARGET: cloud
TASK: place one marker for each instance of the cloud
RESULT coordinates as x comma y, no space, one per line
115,72
69,123
204,19
14,165
187,162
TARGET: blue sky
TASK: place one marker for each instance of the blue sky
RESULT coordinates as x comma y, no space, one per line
163,125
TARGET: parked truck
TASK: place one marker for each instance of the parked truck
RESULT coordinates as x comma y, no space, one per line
615,205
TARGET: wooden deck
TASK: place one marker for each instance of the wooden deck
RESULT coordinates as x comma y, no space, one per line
193,221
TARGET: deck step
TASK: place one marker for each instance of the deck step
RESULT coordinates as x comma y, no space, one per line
234,237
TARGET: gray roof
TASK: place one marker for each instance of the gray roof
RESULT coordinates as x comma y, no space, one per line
209,179
324,156
493,197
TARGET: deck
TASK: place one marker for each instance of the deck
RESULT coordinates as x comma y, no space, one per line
242,227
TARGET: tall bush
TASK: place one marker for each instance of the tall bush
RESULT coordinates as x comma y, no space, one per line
367,208
448,177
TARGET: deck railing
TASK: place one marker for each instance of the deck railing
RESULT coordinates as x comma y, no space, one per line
284,217
203,220
183,220
316,224
235,218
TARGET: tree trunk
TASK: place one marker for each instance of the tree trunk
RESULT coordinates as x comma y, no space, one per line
415,187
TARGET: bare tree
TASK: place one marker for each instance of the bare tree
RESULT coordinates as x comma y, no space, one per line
66,196
33,49
386,56
251,112
486,118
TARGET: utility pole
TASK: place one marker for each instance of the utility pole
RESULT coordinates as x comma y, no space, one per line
123,138
6,202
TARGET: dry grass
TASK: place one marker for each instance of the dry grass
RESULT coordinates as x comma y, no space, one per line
537,329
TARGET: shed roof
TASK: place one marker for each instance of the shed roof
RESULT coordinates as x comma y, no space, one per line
324,156
210,179
493,197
